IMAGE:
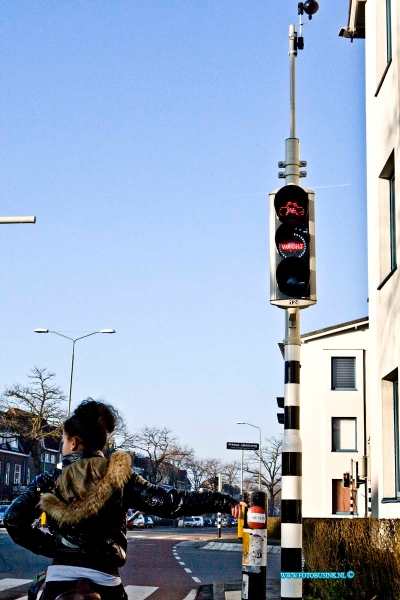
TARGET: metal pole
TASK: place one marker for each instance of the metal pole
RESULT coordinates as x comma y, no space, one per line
291,523
259,465
254,553
292,145
70,378
291,506
8,220
292,59
241,518
241,477
219,514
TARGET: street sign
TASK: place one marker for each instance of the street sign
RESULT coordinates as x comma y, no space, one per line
241,446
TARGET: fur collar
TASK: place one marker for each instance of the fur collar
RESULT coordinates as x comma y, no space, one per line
117,475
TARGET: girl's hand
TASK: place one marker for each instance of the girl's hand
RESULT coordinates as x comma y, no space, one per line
237,510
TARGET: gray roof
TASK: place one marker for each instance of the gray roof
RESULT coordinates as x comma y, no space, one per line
347,325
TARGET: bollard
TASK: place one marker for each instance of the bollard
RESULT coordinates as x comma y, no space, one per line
254,556
219,525
241,523
219,477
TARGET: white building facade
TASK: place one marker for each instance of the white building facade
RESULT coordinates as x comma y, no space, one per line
334,420
378,21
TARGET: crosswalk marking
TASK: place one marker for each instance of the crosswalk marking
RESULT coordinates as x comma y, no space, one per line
139,592
134,592
8,583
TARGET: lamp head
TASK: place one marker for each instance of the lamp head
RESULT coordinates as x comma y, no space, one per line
310,7
41,331
240,423
107,330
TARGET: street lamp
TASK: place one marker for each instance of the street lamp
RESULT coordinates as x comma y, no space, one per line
73,352
259,450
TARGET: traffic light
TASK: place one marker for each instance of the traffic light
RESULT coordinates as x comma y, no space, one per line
346,480
281,404
292,242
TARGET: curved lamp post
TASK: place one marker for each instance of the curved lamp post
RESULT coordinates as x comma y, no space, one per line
73,353
259,450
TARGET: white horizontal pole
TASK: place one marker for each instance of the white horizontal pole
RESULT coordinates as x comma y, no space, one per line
6,220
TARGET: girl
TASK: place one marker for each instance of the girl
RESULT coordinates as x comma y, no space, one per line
86,504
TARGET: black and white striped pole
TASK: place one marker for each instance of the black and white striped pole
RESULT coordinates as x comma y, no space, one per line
291,505
219,515
293,287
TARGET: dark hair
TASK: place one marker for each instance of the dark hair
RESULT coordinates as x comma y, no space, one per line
90,422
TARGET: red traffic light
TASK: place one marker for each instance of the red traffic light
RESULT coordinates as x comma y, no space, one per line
291,204
292,240
346,480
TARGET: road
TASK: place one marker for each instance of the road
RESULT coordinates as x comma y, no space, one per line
162,564
153,570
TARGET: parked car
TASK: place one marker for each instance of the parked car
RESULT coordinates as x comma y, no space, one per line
148,521
143,521
207,522
3,508
130,516
198,522
186,522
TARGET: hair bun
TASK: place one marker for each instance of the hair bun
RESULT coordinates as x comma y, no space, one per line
91,421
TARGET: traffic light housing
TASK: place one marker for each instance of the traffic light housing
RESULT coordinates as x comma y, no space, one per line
281,404
346,480
292,243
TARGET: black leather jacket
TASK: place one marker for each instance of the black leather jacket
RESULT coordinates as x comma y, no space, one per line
86,505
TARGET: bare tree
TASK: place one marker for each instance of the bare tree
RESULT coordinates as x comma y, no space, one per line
121,438
158,445
180,459
230,472
197,472
213,466
33,411
270,469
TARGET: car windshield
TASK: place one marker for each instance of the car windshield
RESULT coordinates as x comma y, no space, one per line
3,508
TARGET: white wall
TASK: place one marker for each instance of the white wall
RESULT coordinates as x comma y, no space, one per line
319,403
382,120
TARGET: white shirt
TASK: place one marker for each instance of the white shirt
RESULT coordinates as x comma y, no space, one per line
70,573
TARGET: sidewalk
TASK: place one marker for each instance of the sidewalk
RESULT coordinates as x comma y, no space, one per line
233,590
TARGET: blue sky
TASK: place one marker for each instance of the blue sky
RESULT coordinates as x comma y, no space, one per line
145,136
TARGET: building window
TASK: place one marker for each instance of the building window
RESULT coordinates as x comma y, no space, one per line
7,474
47,457
392,215
343,373
395,384
387,221
28,476
17,474
344,434
13,442
388,30
340,498
53,458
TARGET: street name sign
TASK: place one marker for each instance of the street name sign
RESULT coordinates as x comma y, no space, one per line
241,446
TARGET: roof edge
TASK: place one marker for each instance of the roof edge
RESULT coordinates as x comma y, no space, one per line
341,326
